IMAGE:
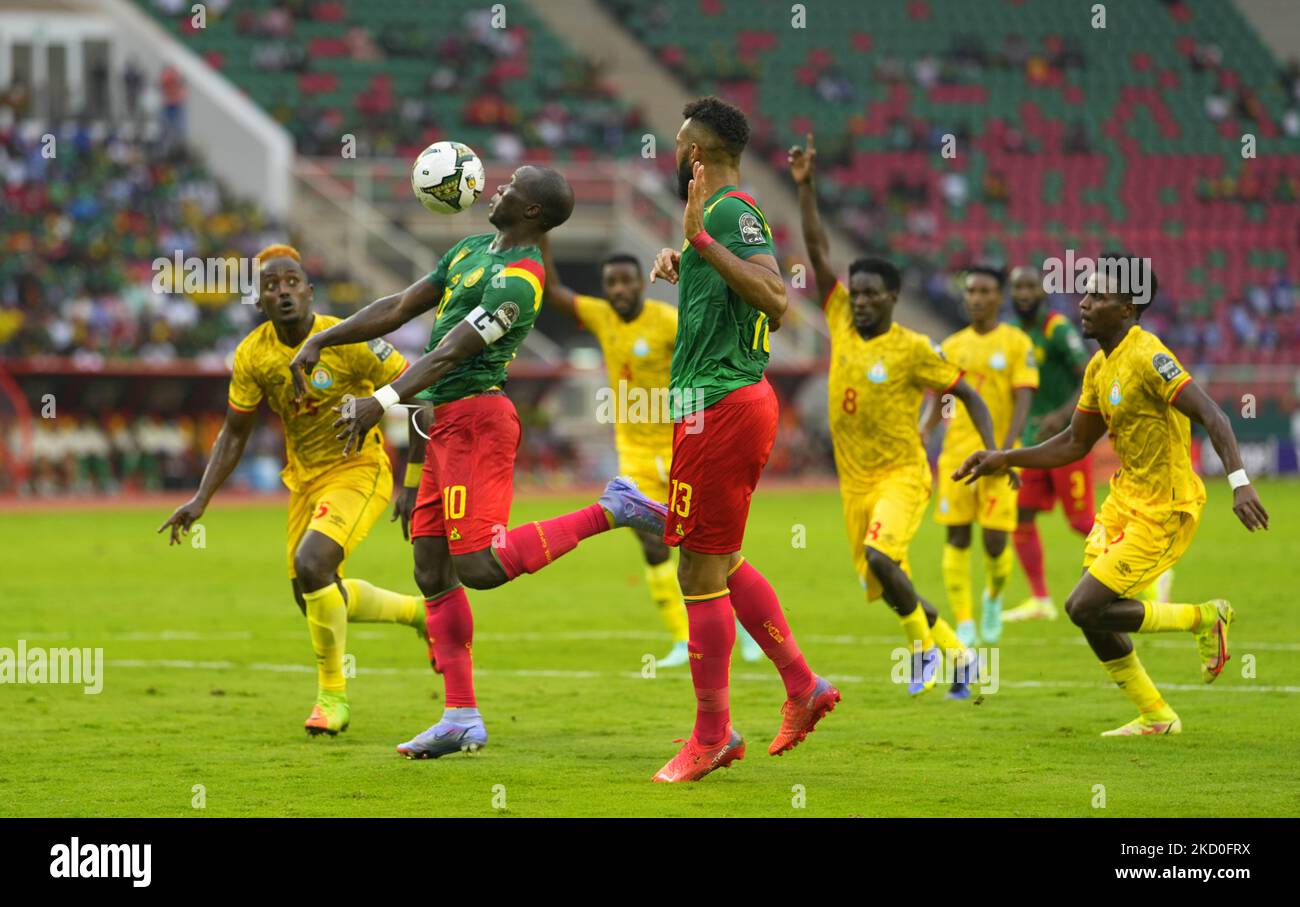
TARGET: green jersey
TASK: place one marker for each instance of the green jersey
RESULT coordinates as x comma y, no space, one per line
722,342
499,293
1059,350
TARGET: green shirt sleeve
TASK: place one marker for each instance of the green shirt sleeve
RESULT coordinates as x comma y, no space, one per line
740,227
1069,343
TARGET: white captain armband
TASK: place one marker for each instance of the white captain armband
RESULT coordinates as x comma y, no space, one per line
492,326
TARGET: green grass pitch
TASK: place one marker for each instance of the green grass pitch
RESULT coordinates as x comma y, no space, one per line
209,675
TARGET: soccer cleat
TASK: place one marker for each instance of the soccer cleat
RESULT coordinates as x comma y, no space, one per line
678,656
990,619
750,650
1032,608
330,715
966,632
1142,726
446,737
799,717
925,671
964,676
1212,642
694,761
629,507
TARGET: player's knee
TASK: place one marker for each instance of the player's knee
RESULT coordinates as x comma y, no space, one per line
880,563
995,542
1080,611
959,536
314,570
479,570
434,578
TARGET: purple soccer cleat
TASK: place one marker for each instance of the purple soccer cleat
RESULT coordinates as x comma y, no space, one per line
629,507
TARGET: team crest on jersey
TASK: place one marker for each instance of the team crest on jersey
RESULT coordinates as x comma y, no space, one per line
474,277
877,374
321,378
750,229
640,348
1115,395
455,279
998,361
1166,367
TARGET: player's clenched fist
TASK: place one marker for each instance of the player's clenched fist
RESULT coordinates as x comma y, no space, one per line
665,266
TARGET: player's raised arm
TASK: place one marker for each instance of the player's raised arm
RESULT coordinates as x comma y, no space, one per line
1195,404
756,280
380,317
815,240
554,292
226,454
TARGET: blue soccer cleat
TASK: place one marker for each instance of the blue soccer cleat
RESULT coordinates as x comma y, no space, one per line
925,671
446,737
964,676
629,507
990,619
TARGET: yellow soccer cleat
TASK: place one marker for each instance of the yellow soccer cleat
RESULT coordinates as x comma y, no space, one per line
1031,608
1144,725
1212,642
329,715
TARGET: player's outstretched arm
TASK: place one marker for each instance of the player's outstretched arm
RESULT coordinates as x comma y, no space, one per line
358,416
375,320
226,454
802,168
1195,404
554,292
1084,430
978,410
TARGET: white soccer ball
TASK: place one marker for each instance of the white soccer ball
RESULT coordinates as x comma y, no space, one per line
447,177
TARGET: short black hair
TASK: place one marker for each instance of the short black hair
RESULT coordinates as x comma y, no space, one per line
553,193
724,120
887,272
1138,307
622,258
996,273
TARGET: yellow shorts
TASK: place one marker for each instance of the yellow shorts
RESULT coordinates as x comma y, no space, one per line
649,470
990,501
886,517
342,503
1128,548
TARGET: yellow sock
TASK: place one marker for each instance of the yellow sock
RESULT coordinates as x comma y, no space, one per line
944,636
371,604
1131,677
956,581
1162,617
667,596
327,619
997,570
917,629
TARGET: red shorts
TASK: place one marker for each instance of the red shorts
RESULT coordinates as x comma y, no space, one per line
1071,484
717,459
469,471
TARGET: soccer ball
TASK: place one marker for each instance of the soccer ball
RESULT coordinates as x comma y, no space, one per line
447,177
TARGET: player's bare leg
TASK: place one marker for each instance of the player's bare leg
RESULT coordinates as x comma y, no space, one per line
661,578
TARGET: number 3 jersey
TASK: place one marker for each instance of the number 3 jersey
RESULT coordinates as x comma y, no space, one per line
500,292
261,371
876,388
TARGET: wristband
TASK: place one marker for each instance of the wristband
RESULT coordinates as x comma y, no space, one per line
413,473
387,397
701,241
1238,479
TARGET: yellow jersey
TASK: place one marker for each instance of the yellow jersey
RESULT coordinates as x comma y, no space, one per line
876,388
637,354
261,371
995,364
1134,389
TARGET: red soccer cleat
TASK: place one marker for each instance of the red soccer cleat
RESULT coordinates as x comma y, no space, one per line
694,761
799,717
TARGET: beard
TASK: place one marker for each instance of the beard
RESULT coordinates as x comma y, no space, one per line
685,173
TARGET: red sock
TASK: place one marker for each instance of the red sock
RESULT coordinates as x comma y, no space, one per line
760,614
1029,547
530,547
713,633
451,628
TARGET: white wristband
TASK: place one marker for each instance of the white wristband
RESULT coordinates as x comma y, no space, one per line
1238,479
387,397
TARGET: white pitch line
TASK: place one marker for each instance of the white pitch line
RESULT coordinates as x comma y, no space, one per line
747,676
